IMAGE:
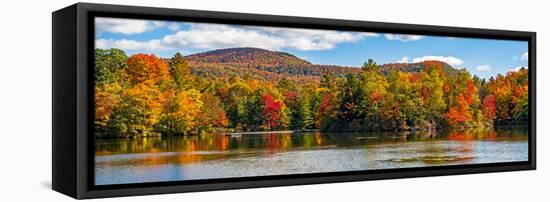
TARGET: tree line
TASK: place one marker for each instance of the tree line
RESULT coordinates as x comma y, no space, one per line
143,95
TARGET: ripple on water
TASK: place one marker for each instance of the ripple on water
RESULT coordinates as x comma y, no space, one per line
432,159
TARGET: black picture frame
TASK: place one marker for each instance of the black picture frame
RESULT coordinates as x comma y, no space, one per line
72,98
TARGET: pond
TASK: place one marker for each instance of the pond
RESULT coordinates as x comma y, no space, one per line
123,161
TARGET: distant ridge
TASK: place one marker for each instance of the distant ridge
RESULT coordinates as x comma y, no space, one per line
416,67
260,63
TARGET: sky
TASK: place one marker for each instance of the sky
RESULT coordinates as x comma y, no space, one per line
481,57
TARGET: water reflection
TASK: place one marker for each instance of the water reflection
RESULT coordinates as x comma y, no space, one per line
218,156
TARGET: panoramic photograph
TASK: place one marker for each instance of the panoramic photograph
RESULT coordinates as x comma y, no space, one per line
179,101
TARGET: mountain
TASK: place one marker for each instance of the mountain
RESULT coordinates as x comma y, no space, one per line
416,67
248,57
272,65
255,62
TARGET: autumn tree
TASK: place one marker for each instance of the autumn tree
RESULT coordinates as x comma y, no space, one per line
464,102
370,65
432,83
511,98
211,114
326,113
139,110
328,81
143,95
181,72
302,114
237,102
143,67
351,96
409,110
287,85
489,108
107,98
460,112
374,88
108,65
181,113
271,111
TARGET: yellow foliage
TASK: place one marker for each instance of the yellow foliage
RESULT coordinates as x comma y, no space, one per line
107,97
146,94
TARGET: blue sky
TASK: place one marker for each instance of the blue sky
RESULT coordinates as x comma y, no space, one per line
482,57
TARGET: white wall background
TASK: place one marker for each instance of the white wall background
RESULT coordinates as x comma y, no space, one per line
25,99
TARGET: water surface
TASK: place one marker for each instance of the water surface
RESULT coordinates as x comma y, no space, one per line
122,161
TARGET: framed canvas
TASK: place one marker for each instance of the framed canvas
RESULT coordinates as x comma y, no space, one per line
156,100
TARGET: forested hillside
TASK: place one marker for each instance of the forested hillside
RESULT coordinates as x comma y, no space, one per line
248,89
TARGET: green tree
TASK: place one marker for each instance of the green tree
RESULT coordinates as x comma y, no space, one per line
302,115
370,65
181,72
108,65
351,96
405,90
328,81
433,82
374,87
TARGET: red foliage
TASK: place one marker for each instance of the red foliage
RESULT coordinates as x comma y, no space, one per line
326,104
326,108
291,98
414,77
271,109
489,108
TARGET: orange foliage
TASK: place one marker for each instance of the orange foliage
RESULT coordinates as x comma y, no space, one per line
431,64
212,113
470,92
414,77
106,99
143,67
326,109
459,113
375,96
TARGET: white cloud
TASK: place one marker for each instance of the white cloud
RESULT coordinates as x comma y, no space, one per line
403,37
221,36
525,56
126,26
130,45
225,36
483,68
448,59
518,68
174,26
216,36
404,59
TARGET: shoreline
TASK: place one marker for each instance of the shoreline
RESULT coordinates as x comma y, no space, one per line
318,130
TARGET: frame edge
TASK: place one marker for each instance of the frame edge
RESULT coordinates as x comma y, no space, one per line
84,191
64,145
